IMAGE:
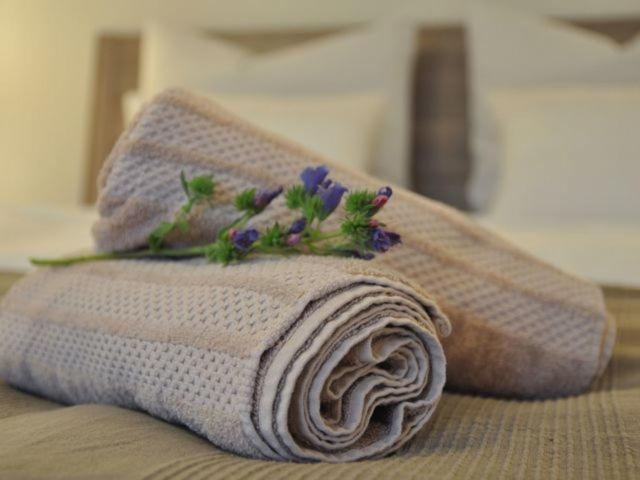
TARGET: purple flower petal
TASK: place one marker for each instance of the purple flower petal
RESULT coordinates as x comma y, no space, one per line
243,240
265,197
331,197
394,237
313,177
298,225
382,240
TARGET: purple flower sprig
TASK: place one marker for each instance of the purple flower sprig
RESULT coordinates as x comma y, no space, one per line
357,233
313,201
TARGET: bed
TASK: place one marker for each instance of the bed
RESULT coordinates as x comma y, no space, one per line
606,252
594,435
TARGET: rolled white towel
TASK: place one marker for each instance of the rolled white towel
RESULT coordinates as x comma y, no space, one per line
297,359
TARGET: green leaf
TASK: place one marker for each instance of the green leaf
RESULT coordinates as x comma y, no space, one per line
273,236
221,251
185,185
318,208
245,200
312,208
295,197
158,236
201,187
360,202
356,226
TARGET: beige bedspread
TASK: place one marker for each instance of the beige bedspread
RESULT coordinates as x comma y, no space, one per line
595,435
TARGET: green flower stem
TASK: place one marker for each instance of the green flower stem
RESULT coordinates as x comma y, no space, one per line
198,251
238,222
148,253
310,246
327,236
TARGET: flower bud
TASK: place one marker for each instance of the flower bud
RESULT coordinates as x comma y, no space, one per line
243,240
386,191
265,197
293,239
379,201
298,226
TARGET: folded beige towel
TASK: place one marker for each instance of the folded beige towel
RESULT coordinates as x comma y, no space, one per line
521,327
291,359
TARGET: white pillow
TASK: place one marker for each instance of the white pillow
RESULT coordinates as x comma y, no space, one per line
174,56
374,58
568,153
343,128
509,49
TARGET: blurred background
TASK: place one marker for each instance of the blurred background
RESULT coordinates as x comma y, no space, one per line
524,113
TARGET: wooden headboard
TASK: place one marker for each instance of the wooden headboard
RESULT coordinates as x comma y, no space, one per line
440,153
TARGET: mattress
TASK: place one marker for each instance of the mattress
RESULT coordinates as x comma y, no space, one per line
606,252
594,435
42,231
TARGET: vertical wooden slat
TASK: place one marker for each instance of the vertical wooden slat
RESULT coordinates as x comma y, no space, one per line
440,163
116,73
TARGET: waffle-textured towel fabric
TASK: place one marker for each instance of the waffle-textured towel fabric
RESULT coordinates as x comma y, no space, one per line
291,359
520,327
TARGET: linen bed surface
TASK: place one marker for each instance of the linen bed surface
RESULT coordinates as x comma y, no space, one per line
594,435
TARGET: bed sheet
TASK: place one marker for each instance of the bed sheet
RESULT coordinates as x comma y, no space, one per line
606,252
42,231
